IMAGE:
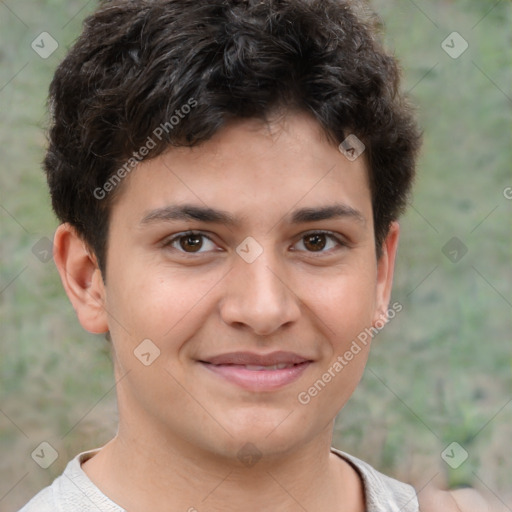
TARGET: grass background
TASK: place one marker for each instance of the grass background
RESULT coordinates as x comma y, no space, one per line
441,370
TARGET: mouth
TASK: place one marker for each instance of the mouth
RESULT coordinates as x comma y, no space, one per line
258,372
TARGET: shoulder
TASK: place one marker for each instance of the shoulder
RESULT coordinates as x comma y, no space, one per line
385,494
382,493
50,498
72,491
43,501
459,500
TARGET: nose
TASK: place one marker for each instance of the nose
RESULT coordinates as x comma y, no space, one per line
258,297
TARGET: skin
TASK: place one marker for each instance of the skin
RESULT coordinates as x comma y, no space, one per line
181,426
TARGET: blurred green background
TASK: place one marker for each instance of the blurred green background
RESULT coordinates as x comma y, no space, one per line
441,370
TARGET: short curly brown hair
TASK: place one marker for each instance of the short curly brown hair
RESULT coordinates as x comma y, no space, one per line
138,63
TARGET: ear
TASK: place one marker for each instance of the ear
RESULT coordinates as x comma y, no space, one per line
385,270
81,278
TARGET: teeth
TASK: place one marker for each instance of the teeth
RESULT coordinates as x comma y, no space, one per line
279,366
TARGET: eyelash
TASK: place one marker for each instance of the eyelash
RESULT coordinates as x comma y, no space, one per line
332,236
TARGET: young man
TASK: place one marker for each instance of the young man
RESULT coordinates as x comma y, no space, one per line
228,175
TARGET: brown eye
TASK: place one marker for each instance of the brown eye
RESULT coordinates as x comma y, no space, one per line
191,243
320,242
315,242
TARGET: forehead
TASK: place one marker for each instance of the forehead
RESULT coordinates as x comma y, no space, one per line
252,168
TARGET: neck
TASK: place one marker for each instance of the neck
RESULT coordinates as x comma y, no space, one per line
310,478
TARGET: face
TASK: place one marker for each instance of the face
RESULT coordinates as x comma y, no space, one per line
249,264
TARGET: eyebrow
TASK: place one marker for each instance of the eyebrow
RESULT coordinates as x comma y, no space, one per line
335,211
205,214
189,212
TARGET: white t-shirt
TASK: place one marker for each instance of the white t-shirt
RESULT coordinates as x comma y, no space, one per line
74,492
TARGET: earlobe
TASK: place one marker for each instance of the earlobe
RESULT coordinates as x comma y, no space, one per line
81,278
385,270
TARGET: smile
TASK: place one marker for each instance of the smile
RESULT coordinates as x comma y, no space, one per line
258,373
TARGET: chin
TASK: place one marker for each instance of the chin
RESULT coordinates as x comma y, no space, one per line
270,431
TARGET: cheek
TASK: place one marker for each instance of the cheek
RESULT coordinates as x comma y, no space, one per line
157,306
345,302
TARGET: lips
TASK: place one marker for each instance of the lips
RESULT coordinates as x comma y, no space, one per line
258,372
253,359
